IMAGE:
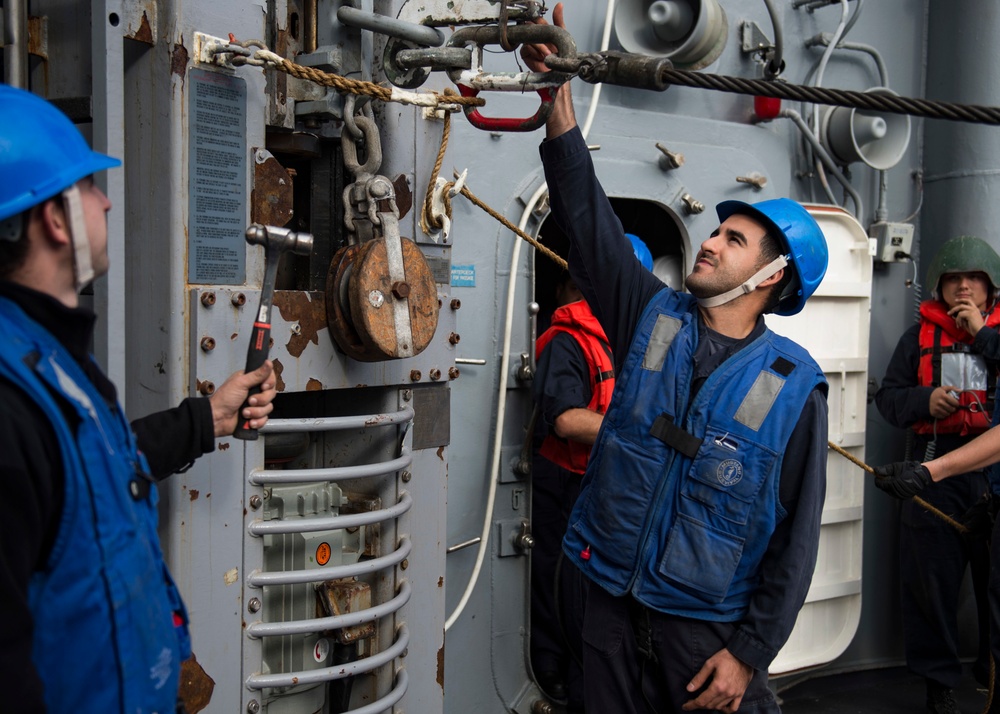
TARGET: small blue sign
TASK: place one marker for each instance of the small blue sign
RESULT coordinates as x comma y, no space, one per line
463,276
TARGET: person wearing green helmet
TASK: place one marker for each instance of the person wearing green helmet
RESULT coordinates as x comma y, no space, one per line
941,384
93,622
698,520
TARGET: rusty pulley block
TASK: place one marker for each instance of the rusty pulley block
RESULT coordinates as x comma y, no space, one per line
381,298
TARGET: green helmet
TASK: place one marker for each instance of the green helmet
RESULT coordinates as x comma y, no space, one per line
965,254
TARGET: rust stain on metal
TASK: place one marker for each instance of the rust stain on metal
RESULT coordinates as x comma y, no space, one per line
440,581
194,493
196,687
308,309
38,37
144,33
179,60
314,385
440,667
404,196
279,383
224,446
440,453
271,198
340,597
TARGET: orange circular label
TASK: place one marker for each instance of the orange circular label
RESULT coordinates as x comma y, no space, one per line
323,553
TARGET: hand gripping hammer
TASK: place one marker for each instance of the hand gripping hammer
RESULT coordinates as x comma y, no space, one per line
275,241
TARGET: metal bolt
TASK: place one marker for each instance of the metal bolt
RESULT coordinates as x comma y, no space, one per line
256,502
254,605
415,375
454,338
540,706
296,329
404,564
206,388
401,289
406,476
670,159
208,299
239,299
376,299
691,204
435,374
455,303
453,373
754,179
207,344
253,706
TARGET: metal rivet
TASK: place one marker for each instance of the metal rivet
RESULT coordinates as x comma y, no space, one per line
415,375
254,605
454,338
406,476
256,502
376,299
207,344
453,373
456,303
404,564
208,299
239,299
253,706
296,329
435,374
206,388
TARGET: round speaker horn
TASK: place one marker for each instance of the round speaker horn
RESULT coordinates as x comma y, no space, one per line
692,33
878,139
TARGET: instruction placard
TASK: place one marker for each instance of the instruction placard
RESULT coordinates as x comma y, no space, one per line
217,178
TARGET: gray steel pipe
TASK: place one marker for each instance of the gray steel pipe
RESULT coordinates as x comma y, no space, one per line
15,43
384,25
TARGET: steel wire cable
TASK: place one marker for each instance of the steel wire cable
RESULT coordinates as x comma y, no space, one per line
893,104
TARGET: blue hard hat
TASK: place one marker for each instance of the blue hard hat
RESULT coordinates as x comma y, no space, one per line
801,237
41,152
641,251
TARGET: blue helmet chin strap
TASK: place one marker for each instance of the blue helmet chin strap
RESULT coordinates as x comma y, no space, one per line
83,268
747,287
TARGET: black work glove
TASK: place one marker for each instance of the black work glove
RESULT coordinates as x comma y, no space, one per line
902,479
980,517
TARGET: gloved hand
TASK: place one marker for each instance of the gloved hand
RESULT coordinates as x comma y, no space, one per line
902,479
980,517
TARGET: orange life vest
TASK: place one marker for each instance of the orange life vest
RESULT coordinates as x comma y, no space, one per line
577,320
946,357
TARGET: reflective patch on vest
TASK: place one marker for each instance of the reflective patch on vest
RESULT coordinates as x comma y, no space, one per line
759,400
965,371
729,472
664,332
72,390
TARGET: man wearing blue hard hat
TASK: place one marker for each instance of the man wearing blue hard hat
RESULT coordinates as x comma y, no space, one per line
92,620
698,520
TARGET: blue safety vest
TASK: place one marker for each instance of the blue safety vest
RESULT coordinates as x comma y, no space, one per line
680,498
110,629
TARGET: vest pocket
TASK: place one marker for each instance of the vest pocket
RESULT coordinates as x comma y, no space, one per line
725,477
701,558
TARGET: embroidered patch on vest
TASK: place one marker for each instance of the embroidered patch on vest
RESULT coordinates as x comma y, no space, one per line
758,402
729,472
664,332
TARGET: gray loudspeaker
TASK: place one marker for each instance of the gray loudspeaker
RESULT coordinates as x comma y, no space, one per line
692,33
878,139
